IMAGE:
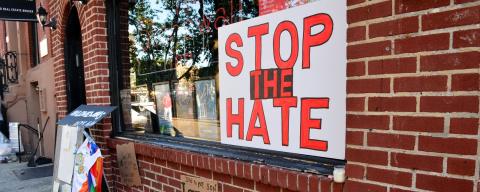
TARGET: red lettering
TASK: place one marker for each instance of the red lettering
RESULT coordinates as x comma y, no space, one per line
320,38
292,30
306,123
258,31
236,119
285,104
234,70
257,113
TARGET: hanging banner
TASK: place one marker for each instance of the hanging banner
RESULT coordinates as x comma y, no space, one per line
18,10
283,80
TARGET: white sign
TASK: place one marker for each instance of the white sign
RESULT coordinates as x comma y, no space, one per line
43,47
68,140
283,80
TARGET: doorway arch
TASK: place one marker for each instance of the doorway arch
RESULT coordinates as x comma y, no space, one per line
74,68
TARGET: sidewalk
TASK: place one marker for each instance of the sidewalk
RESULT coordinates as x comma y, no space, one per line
10,183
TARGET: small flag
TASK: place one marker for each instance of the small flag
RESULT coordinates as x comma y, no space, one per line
87,173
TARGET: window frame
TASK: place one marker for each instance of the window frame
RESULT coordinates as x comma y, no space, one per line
285,160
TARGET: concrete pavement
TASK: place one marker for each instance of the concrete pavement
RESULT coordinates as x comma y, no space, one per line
10,183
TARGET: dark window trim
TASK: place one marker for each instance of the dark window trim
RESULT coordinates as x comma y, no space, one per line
113,18
290,161
35,50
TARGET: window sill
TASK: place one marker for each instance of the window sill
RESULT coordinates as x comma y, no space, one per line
288,161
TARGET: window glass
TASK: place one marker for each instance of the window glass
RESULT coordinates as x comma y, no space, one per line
170,78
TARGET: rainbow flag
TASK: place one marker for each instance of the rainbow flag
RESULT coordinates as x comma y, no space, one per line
88,170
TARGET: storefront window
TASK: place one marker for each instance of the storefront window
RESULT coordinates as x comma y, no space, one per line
170,79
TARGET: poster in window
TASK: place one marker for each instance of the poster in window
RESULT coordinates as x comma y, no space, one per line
283,82
184,100
164,107
206,99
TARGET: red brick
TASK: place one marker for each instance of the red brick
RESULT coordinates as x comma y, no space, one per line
355,171
256,173
395,27
174,183
303,185
337,187
264,174
292,181
356,69
450,61
373,11
464,1
467,126
416,44
244,183
231,168
466,82
398,104
248,171
368,121
355,104
449,104
406,6
389,176
458,17
369,49
260,187
187,169
167,188
392,66
388,140
443,184
354,2
460,166
313,183
203,173
363,187
356,33
418,124
222,177
467,38
325,184
282,178
420,84
399,190
230,188
459,146
368,86
239,169
272,176
354,138
367,156
417,162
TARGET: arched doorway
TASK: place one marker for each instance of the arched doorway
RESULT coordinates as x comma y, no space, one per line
74,69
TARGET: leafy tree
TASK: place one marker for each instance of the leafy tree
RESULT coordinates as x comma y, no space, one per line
167,33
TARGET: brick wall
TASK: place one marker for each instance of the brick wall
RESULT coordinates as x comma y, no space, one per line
413,95
160,170
92,18
413,104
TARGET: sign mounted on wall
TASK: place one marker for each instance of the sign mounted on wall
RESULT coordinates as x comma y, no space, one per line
17,10
283,80
86,116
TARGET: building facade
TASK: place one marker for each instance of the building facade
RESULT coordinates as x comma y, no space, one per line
28,93
412,94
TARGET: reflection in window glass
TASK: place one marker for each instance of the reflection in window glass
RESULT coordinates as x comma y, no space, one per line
170,84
